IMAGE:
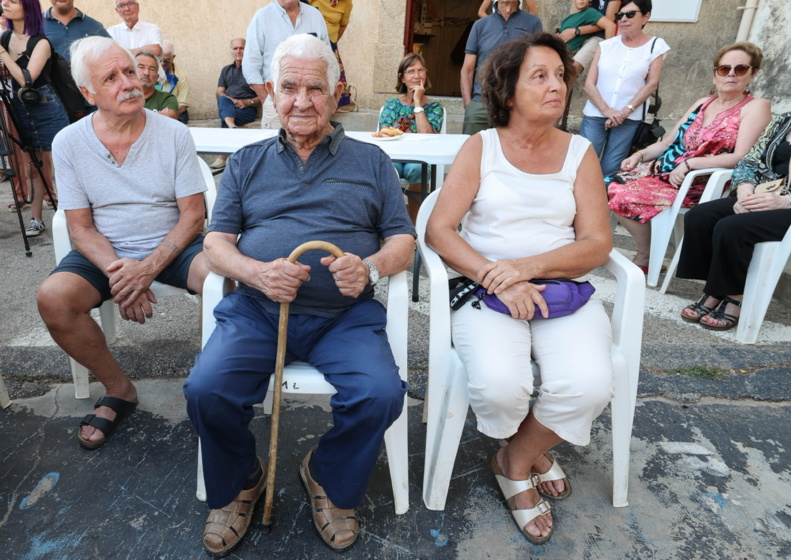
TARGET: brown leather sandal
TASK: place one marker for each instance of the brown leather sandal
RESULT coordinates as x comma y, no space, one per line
337,527
226,526
725,321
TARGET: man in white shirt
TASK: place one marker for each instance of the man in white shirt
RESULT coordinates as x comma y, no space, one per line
271,25
134,34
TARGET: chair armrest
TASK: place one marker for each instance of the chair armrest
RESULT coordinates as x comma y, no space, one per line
628,308
61,241
215,287
715,187
684,188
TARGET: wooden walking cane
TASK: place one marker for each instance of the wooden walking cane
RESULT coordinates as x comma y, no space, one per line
282,333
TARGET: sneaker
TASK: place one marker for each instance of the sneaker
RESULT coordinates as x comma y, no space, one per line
35,227
219,163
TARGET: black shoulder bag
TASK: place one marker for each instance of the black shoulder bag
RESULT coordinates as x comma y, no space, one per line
648,133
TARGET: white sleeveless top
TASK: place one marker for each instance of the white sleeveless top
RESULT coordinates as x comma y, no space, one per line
517,214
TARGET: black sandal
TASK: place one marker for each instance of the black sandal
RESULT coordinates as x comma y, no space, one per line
729,321
699,308
121,408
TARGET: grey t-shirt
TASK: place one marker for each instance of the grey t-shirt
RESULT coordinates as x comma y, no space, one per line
134,204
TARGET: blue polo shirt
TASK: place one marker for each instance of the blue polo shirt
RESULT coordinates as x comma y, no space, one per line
492,31
62,36
347,193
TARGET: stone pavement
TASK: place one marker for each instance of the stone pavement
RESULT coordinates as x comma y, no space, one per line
710,464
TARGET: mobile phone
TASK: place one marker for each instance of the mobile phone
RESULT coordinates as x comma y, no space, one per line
769,186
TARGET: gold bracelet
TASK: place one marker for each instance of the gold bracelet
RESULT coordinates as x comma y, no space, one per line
640,153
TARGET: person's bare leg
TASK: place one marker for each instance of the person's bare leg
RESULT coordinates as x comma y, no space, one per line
642,236
197,273
65,301
524,455
730,309
230,122
46,159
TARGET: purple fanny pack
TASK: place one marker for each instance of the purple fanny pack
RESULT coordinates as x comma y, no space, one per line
563,297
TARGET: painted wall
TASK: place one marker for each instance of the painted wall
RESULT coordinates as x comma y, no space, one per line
373,46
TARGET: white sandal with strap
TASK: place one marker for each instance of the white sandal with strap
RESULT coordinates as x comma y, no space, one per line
555,472
511,488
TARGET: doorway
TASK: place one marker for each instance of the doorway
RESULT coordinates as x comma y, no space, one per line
438,30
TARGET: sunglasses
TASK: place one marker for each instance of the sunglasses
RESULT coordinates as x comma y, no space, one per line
629,15
725,69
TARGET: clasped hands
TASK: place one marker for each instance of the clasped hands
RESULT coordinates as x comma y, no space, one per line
280,279
757,202
615,117
130,286
510,282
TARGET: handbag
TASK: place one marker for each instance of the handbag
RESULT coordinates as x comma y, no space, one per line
648,133
27,94
562,295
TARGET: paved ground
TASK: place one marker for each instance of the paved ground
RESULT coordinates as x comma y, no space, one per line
710,475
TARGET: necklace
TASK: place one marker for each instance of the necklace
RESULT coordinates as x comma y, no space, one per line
19,37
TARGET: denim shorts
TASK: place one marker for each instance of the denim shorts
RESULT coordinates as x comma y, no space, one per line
175,274
38,124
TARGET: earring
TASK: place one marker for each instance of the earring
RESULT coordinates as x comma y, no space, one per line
747,91
712,92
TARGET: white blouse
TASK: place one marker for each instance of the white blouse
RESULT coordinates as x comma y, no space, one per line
622,73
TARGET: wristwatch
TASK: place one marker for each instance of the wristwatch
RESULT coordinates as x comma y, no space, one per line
418,109
576,31
373,272
630,107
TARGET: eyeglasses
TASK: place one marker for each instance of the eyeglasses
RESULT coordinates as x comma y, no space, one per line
725,69
629,15
125,5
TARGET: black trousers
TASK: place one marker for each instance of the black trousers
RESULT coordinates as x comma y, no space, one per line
719,244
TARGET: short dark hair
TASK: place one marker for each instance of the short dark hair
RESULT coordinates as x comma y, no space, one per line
500,72
753,51
406,62
644,5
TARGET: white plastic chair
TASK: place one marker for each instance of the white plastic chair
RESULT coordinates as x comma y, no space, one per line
667,222
769,260
715,188
302,379
62,245
448,399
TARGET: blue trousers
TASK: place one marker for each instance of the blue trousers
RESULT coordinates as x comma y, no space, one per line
232,374
611,145
242,116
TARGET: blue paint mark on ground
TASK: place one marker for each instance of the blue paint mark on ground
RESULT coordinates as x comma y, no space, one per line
717,497
440,539
44,486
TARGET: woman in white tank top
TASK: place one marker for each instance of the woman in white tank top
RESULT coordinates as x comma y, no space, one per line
530,202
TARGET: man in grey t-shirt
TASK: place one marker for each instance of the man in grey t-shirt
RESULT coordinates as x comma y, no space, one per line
132,191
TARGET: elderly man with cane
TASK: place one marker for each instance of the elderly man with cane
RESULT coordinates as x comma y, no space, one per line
309,182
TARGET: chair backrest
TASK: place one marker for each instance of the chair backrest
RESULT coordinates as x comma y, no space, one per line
211,188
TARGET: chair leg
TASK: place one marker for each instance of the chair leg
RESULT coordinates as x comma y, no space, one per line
443,434
622,412
671,270
107,316
661,229
81,379
5,400
416,277
397,447
762,278
200,492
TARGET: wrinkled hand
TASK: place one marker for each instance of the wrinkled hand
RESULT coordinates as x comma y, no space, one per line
631,162
522,299
280,279
238,103
499,275
762,201
138,309
614,117
349,271
567,35
129,279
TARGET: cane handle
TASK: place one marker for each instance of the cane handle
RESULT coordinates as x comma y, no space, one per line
311,245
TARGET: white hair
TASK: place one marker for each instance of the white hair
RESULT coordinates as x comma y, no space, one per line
149,54
306,47
88,50
168,47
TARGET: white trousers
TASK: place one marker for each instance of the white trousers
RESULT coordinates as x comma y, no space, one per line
269,118
572,353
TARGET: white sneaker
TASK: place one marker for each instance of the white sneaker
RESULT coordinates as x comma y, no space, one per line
35,227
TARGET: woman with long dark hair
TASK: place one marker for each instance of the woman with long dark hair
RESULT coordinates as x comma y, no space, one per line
27,54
